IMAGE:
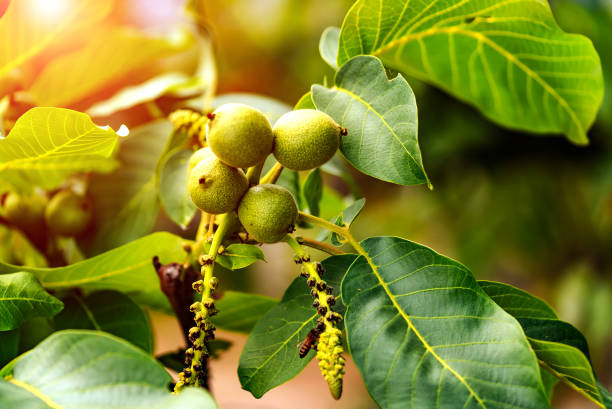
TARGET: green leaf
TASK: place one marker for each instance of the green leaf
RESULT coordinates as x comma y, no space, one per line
149,90
305,102
111,55
239,312
79,369
126,201
238,255
9,346
561,348
512,62
108,311
48,144
21,298
270,356
313,190
381,118
347,217
422,332
328,46
173,190
26,31
128,269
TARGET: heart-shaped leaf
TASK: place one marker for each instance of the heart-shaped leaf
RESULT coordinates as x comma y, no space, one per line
381,118
560,347
81,369
108,311
270,356
21,298
423,333
48,144
128,269
511,60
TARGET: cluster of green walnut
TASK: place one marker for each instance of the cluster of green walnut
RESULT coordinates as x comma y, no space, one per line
240,137
224,179
66,213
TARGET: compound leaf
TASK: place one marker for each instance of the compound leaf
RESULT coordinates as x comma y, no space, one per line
381,118
422,333
509,58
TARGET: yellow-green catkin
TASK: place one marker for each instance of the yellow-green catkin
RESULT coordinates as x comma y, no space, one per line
331,362
196,356
192,122
329,346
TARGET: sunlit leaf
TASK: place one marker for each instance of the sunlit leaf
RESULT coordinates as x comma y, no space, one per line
328,46
82,369
21,298
422,332
108,311
271,354
48,144
560,347
173,190
305,102
510,59
126,201
109,56
381,118
239,312
27,29
128,269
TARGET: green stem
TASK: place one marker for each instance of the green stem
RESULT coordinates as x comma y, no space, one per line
341,230
272,175
319,245
254,173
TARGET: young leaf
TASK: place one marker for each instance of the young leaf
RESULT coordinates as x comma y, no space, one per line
305,102
512,62
21,298
423,333
381,118
328,46
173,191
78,369
70,78
313,190
561,348
126,201
25,33
239,312
270,356
347,217
128,269
109,311
48,144
238,255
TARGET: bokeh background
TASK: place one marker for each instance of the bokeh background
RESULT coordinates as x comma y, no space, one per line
532,211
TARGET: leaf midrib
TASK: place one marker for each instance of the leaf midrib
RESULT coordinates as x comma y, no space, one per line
36,392
406,318
495,46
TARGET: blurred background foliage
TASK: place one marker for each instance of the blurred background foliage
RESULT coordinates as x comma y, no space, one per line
533,211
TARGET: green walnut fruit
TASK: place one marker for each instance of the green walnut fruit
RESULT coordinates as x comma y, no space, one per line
215,187
268,213
305,139
197,157
68,213
239,135
25,211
